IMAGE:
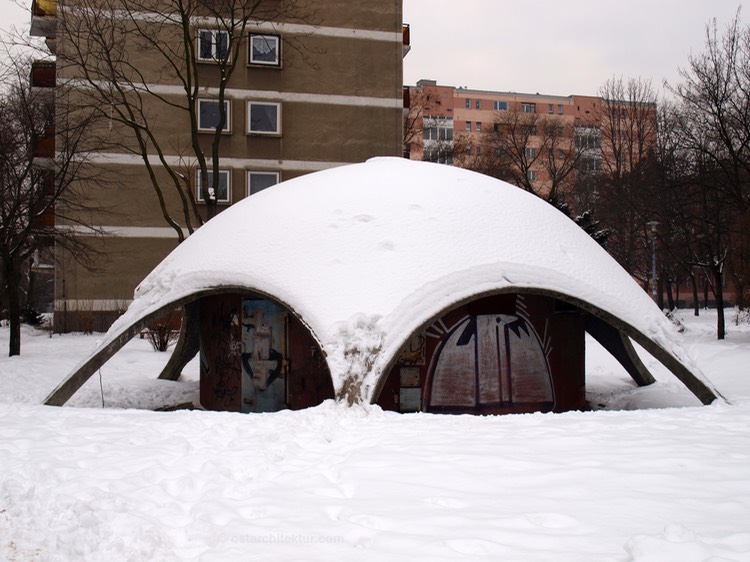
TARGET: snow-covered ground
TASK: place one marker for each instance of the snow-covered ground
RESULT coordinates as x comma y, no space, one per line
651,476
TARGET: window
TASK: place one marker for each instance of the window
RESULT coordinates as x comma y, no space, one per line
559,109
500,105
437,128
479,150
264,49
588,137
468,103
478,127
479,104
551,108
219,192
263,118
590,165
532,175
208,115
528,108
258,181
468,126
213,45
530,153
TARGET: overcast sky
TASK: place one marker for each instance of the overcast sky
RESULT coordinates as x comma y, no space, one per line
546,46
554,46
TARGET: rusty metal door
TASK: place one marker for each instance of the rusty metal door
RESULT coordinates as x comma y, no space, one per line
264,356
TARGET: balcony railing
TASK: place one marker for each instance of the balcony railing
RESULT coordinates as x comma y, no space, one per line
405,30
43,148
44,8
43,18
42,74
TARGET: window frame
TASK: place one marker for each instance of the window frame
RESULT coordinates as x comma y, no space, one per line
249,173
251,62
228,122
199,187
214,33
250,131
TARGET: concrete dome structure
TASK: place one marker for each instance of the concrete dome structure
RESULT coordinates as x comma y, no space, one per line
367,255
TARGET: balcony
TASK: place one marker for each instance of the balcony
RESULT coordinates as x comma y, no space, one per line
43,149
405,30
44,220
43,208
407,97
42,74
43,18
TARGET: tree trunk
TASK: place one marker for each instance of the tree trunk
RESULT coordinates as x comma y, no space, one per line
660,292
670,297
739,294
705,295
12,281
719,294
696,302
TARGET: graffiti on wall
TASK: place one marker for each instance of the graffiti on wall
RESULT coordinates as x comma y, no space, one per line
263,350
490,359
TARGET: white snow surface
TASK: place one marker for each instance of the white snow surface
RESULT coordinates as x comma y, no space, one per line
649,478
367,254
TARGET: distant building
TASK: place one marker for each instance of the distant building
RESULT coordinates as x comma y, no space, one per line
454,125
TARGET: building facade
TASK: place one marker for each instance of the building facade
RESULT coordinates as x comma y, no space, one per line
312,86
536,137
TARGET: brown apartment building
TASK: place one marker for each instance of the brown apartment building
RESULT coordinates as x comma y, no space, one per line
313,85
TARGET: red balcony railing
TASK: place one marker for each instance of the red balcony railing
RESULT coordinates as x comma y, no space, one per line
42,74
44,146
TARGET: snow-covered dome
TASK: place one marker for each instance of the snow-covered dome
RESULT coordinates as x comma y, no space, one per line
366,254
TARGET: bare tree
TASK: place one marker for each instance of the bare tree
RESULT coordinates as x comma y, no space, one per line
537,153
714,129
108,46
35,193
715,98
625,185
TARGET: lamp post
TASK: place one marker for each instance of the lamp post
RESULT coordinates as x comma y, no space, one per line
653,225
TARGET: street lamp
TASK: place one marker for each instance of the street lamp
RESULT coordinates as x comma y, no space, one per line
653,225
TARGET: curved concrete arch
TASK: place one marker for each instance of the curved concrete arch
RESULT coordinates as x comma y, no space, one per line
702,390
120,336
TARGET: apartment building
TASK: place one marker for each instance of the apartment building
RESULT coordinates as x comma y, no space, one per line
451,125
313,86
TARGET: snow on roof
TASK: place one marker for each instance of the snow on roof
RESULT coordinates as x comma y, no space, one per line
368,253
